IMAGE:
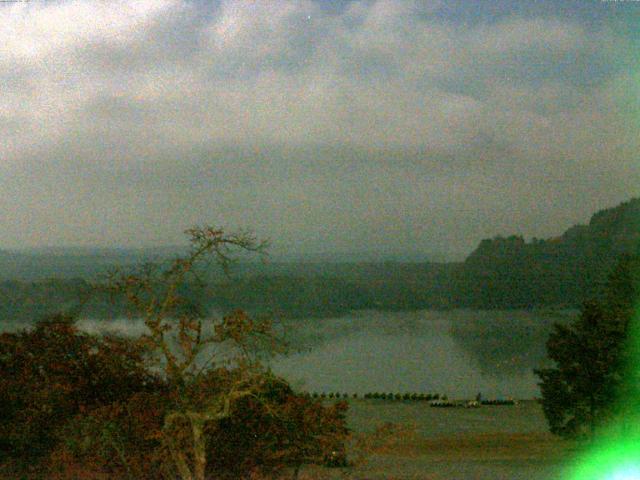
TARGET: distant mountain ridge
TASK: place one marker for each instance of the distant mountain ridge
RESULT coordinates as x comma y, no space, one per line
509,272
501,273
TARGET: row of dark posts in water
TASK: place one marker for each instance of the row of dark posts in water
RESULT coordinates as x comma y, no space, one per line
436,399
380,396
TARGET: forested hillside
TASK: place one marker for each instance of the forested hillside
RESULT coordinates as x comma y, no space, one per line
501,273
566,270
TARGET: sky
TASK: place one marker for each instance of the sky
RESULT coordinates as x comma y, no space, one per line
393,127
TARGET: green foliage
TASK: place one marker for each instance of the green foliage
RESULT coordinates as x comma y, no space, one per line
563,271
592,356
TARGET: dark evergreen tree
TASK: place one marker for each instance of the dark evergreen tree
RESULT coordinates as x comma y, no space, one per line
594,377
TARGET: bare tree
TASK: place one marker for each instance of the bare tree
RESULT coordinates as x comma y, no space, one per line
182,335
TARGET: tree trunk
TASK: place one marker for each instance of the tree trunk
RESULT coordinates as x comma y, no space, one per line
180,461
177,456
198,421
199,448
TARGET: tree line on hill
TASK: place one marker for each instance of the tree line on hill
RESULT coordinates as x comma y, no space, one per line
501,273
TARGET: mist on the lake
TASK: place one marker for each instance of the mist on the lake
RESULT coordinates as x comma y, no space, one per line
458,353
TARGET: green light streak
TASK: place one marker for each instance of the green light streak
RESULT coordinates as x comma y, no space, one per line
611,460
615,455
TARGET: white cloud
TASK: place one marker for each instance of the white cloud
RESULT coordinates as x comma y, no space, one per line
35,32
110,92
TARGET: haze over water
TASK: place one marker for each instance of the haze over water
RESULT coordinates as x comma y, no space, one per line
459,353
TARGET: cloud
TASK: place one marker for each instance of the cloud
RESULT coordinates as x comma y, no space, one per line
376,125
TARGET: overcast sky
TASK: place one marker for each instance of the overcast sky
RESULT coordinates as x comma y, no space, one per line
385,126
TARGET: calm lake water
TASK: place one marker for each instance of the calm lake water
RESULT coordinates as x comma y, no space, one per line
458,353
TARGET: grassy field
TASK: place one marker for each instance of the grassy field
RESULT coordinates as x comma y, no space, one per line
490,442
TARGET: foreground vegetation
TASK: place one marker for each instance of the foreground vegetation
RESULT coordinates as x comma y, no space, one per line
595,380
190,399
77,406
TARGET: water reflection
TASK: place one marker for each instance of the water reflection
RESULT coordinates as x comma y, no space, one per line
459,353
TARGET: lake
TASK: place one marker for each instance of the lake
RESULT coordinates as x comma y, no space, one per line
458,353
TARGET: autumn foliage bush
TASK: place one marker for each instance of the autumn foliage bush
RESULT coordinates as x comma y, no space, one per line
78,406
277,430
52,373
